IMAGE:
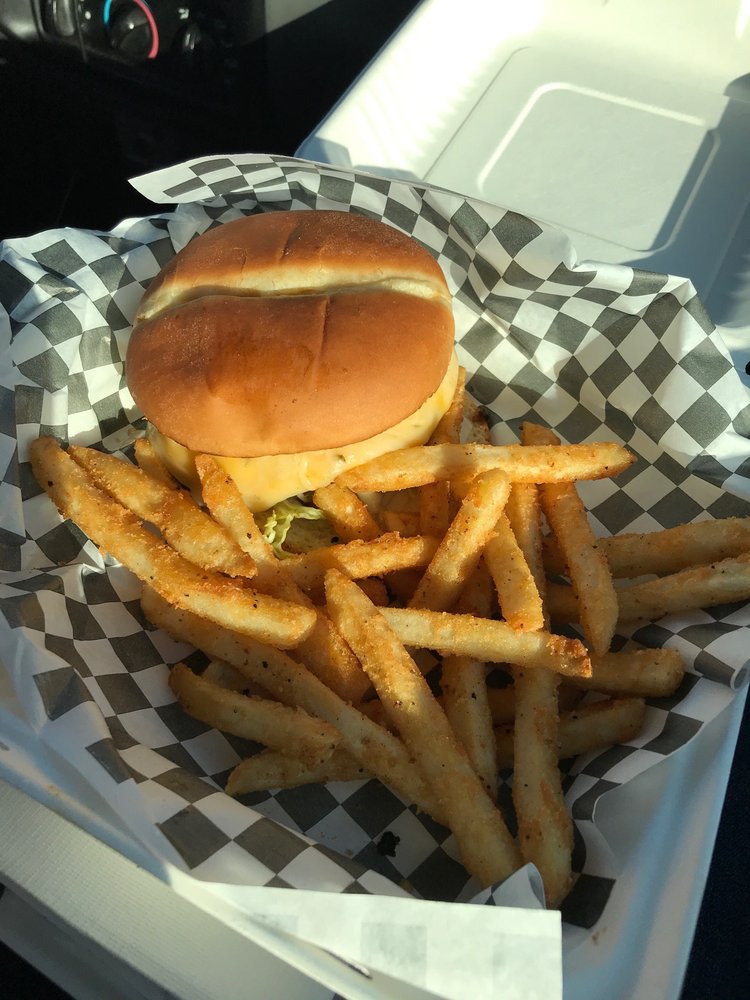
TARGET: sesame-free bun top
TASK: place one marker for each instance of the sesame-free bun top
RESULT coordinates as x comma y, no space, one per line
287,332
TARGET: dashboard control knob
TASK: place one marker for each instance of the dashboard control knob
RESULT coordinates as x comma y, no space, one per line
132,31
59,17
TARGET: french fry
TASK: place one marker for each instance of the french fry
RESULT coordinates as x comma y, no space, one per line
330,659
323,650
486,846
523,513
520,601
293,684
188,529
289,730
118,531
270,769
489,641
589,570
641,673
632,673
458,554
634,554
591,727
224,675
435,498
600,724
416,466
150,463
349,516
463,684
545,828
223,499
361,559
724,582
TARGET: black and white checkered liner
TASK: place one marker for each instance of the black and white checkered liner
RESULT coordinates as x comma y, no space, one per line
595,352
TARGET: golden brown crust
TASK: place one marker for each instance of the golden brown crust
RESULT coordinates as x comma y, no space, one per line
290,332
241,376
276,252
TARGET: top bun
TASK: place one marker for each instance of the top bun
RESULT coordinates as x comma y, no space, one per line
288,332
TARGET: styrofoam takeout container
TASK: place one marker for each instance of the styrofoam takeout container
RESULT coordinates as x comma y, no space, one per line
625,123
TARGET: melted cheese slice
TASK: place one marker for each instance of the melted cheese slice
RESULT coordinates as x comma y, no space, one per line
267,479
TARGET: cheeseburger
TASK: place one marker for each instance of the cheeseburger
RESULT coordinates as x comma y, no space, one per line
291,346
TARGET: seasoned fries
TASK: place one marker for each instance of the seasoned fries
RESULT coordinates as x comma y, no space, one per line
465,693
632,672
487,848
588,568
349,517
119,532
358,559
488,640
459,552
545,828
223,500
467,709
271,769
524,517
435,508
517,590
323,650
401,470
188,529
724,582
151,464
592,727
631,555
320,658
290,730
292,684
643,673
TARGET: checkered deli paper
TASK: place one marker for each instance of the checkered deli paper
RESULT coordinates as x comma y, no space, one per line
597,352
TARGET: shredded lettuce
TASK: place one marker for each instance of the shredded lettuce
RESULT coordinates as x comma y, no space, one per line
277,522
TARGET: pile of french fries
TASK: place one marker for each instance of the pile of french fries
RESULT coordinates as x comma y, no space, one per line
314,656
